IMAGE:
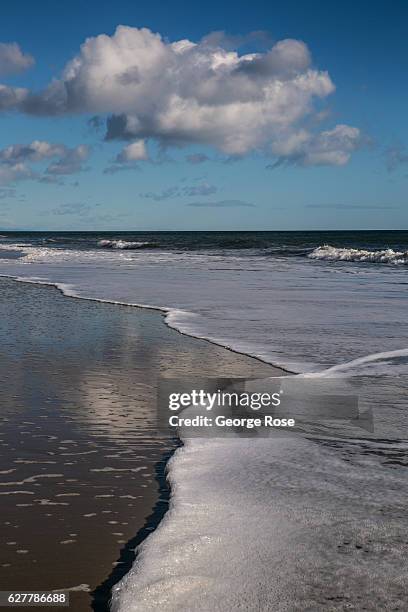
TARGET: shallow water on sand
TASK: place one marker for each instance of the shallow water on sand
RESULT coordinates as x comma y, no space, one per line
79,447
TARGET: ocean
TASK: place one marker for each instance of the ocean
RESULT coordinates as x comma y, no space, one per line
317,304
302,300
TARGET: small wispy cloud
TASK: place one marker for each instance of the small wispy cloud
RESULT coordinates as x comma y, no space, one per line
197,158
353,206
396,156
7,193
202,189
222,204
76,208
165,194
95,123
115,168
70,161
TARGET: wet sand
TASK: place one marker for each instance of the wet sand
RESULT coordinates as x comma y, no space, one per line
81,460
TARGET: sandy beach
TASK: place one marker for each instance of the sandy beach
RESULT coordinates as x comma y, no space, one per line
82,464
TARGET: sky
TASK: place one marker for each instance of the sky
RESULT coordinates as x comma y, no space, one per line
191,116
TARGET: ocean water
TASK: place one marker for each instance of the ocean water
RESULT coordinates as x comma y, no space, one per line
318,304
287,297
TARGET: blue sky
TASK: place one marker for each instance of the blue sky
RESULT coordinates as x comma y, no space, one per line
281,116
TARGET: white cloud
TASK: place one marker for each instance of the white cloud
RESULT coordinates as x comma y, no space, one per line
16,160
13,60
333,146
129,156
14,172
203,93
33,152
330,147
136,151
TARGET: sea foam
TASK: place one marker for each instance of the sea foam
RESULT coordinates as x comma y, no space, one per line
122,244
387,256
258,524
196,559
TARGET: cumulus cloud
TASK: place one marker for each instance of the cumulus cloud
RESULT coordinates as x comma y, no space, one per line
33,152
13,60
220,38
222,204
205,93
136,151
128,158
331,147
199,93
16,160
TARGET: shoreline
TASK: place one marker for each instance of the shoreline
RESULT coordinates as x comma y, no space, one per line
101,427
164,311
101,595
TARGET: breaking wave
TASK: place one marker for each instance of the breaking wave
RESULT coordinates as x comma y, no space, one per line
122,244
377,364
387,256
